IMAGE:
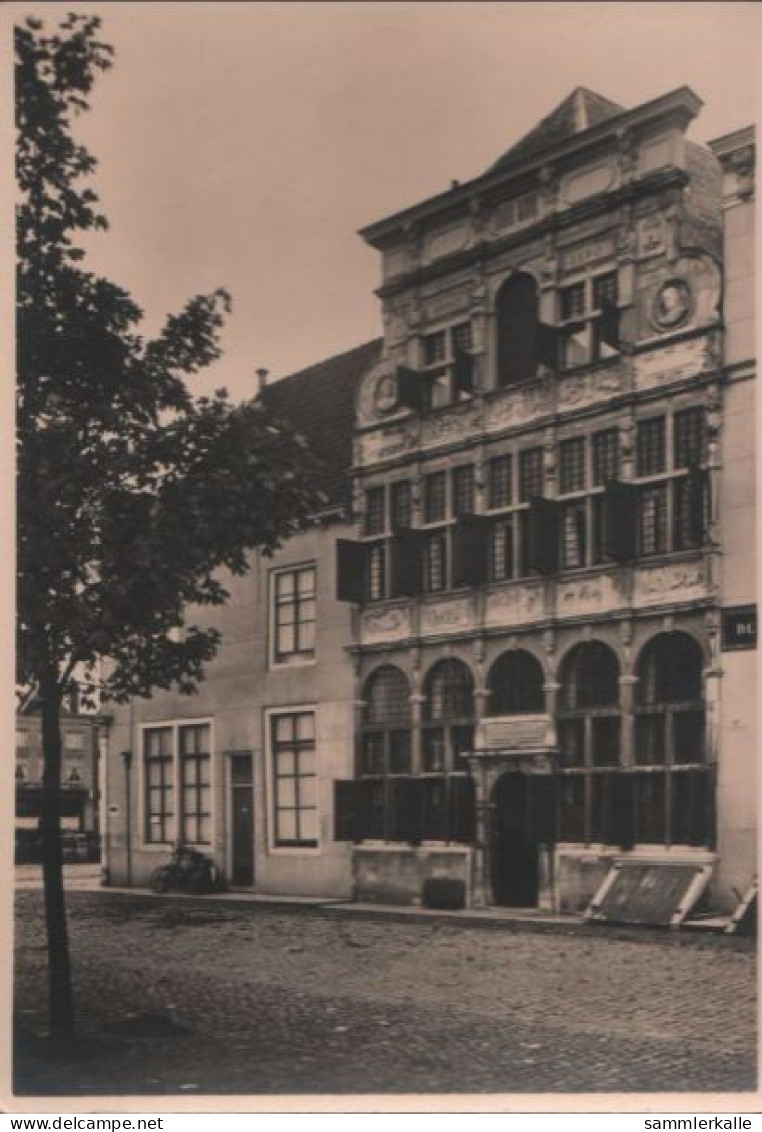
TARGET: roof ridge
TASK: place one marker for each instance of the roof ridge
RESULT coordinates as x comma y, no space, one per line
577,112
326,361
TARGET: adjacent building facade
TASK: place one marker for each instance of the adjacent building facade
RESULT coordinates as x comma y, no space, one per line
517,645
81,736
244,770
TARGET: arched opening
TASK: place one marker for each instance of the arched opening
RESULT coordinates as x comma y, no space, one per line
516,309
448,717
385,744
515,683
673,787
386,723
589,740
670,708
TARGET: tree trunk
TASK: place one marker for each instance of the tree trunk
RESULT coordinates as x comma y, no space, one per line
61,1001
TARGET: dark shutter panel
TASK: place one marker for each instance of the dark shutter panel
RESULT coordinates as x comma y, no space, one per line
350,570
462,810
406,551
697,486
546,345
608,324
463,371
623,825
542,793
543,535
619,521
406,809
348,810
470,550
409,388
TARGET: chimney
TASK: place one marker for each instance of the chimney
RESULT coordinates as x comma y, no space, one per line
261,379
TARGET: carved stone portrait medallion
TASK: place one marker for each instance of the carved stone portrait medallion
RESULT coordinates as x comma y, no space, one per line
672,304
385,393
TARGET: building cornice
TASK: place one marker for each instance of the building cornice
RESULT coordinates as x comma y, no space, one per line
679,107
558,222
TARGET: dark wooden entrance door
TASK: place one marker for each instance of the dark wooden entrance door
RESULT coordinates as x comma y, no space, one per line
242,816
522,820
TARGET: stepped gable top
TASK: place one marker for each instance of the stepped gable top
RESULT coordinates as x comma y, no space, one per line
579,111
319,403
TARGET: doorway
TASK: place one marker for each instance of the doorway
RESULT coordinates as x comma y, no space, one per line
242,820
523,818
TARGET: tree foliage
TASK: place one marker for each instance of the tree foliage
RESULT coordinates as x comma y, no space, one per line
133,493
135,497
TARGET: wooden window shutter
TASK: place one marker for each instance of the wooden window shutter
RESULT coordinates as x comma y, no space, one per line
543,535
406,552
410,391
406,809
608,324
462,809
619,521
623,811
546,345
697,494
470,550
350,570
463,371
349,810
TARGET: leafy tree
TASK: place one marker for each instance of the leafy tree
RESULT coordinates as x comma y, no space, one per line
134,497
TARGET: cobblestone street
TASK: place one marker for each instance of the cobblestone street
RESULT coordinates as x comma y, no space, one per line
186,996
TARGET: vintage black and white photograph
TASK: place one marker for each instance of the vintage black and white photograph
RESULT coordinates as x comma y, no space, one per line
385,708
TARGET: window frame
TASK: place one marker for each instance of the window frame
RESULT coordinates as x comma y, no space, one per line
177,787
268,717
298,656
669,484
585,321
441,369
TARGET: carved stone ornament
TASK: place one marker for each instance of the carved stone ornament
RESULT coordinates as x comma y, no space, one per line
385,393
672,304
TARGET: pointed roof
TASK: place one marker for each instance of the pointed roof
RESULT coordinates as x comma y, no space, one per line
579,111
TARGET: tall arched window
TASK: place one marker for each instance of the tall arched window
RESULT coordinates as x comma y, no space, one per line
385,743
386,723
589,723
589,730
516,309
515,683
673,791
448,729
670,708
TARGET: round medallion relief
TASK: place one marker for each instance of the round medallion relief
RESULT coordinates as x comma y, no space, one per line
672,304
385,394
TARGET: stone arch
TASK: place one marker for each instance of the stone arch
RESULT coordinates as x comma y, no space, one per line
515,682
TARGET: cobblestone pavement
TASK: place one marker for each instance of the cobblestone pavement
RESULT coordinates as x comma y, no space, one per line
184,996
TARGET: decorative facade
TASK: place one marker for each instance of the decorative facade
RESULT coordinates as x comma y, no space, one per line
519,644
539,473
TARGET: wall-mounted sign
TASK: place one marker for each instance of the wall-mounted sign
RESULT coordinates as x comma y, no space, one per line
739,627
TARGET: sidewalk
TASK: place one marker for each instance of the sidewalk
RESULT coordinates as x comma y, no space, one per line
87,878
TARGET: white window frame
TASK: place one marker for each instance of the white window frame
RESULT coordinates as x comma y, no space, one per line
175,724
268,716
296,660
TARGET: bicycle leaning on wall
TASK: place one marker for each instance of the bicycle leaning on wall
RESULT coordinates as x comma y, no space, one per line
188,870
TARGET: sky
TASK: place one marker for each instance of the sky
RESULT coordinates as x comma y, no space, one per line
244,144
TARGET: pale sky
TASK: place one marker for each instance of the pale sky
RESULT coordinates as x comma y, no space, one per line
243,144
